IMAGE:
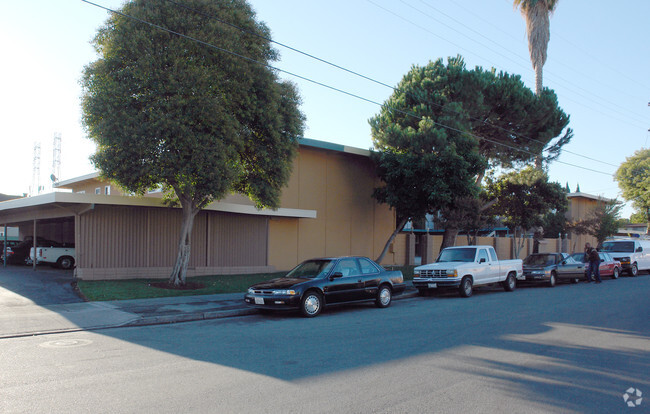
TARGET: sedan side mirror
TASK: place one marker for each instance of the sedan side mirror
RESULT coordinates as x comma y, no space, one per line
336,275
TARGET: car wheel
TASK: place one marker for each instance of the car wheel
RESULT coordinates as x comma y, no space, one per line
634,270
552,280
311,304
384,296
65,262
615,273
465,287
510,283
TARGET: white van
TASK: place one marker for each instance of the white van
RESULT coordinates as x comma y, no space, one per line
634,254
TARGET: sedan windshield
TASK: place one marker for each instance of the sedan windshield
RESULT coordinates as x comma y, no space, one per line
540,260
311,269
457,255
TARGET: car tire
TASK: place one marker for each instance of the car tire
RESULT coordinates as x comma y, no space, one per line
552,281
465,288
634,270
510,283
65,262
615,273
384,296
311,304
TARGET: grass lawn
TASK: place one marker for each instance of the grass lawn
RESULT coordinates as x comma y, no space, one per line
99,290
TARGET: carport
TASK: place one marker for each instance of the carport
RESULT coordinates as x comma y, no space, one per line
52,216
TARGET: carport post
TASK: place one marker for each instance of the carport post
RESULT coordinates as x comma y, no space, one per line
34,246
4,249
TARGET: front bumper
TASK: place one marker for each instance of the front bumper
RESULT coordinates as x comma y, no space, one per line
434,283
536,277
278,302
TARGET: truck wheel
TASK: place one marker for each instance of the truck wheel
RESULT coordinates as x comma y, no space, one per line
65,262
510,283
634,270
552,280
465,287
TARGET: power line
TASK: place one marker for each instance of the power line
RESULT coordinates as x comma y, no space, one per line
357,73
599,80
525,66
324,85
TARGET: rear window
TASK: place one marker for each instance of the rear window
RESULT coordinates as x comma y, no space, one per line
618,246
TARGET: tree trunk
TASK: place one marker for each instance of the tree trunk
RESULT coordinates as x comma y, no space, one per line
179,273
538,79
399,228
449,238
519,241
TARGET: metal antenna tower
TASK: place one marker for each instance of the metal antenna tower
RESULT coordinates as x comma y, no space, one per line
36,172
56,159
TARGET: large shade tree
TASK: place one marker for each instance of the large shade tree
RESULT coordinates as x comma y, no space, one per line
633,178
509,123
536,13
522,198
165,110
424,166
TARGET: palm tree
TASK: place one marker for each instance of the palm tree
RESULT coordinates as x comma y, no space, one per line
536,13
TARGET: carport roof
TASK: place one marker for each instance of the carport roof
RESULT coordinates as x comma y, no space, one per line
69,204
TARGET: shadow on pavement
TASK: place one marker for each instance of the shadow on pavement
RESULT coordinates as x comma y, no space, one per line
555,346
45,286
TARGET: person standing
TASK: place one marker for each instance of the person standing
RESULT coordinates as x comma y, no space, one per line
593,258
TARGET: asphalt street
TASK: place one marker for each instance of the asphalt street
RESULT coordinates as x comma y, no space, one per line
572,348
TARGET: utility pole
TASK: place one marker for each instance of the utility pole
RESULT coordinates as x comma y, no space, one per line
56,159
36,170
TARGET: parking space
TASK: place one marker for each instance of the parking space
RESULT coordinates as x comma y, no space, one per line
45,286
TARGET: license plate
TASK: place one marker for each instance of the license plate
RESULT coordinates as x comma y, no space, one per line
259,301
432,285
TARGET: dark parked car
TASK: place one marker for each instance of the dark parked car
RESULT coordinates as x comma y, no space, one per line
608,266
318,282
21,250
552,267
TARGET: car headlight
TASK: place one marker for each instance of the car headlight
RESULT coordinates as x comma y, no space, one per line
284,292
452,273
416,273
251,291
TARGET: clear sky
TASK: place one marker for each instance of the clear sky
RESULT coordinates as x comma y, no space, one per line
598,63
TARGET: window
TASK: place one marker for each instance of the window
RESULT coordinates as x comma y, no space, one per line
367,267
493,255
482,254
348,267
107,190
81,192
98,190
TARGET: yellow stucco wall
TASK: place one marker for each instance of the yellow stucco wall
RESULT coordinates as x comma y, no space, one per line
339,187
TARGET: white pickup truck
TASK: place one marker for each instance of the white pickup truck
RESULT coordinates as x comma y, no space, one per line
62,257
465,267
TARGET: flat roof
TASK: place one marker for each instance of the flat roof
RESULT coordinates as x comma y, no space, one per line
589,196
75,198
307,142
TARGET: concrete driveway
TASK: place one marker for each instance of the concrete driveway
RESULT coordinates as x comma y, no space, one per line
21,285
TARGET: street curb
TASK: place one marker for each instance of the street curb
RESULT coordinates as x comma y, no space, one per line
232,313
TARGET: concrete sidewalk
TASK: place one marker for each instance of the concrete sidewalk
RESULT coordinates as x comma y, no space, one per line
27,318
